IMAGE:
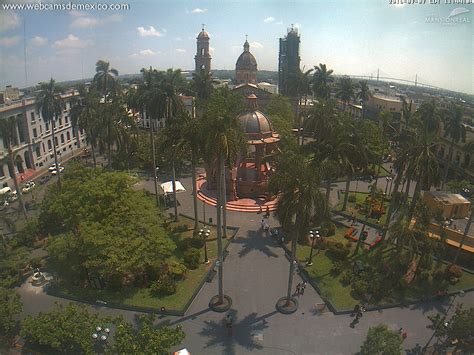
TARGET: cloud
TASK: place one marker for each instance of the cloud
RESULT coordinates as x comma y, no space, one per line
150,32
180,50
269,19
198,10
84,20
256,45
9,41
71,42
144,53
38,41
9,21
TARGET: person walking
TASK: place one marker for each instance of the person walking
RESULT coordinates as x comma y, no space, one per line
267,212
298,289
303,288
228,323
262,224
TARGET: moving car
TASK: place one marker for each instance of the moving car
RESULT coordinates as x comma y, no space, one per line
53,167
55,171
30,185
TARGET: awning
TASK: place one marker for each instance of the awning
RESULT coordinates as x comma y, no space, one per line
168,187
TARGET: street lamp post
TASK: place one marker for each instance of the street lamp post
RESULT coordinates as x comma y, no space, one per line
100,336
204,234
313,235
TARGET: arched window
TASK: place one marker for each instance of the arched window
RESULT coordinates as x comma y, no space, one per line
62,138
49,144
202,51
68,136
56,141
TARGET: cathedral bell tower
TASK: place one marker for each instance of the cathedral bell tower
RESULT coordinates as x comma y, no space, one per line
203,58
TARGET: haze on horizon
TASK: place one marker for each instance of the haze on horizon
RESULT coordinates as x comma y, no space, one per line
353,38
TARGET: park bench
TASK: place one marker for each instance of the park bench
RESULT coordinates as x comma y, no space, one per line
375,242
351,233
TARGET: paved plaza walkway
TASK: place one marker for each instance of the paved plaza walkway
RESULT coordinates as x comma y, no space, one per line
255,276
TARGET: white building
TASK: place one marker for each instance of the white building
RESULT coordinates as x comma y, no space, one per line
33,149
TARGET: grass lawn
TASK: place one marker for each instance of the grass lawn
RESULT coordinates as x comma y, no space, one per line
360,200
341,296
142,297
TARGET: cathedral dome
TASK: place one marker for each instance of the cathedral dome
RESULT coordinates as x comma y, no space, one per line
203,34
246,60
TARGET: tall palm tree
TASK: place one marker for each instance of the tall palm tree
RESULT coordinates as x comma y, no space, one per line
105,78
223,141
85,115
8,128
364,95
299,87
406,112
322,80
464,236
202,84
454,129
50,104
345,90
300,202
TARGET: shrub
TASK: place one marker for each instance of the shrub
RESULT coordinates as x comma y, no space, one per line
180,228
328,229
184,244
338,267
360,288
346,277
191,258
352,198
165,285
36,262
176,270
197,242
454,271
337,251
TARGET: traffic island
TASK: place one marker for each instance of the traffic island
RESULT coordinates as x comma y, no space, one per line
218,306
287,306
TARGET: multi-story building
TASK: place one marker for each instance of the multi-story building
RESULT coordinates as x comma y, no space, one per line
33,147
203,57
288,59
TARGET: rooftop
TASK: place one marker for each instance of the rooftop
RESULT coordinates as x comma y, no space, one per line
447,197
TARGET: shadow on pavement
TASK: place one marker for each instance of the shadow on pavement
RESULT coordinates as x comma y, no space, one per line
256,240
245,332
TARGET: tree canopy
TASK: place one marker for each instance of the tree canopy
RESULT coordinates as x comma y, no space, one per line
100,225
10,306
381,340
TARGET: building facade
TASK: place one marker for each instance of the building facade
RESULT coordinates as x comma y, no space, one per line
33,147
202,59
288,59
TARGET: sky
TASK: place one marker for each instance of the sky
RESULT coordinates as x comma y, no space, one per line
433,41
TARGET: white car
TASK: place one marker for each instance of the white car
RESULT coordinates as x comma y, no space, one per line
53,166
54,171
30,185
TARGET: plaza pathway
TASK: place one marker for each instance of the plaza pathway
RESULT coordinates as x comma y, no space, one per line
255,276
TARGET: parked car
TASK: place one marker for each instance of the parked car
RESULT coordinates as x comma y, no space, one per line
30,185
54,172
53,166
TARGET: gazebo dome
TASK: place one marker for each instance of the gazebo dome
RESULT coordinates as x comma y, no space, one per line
254,121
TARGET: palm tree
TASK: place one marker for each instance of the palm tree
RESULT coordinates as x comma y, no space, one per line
8,129
84,115
105,78
455,130
345,90
299,86
223,140
466,231
106,83
364,94
300,202
321,82
50,104
202,84
406,111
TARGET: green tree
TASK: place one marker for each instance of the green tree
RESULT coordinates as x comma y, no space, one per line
299,87
322,80
457,331
202,85
455,130
146,339
345,90
382,341
65,329
10,306
85,116
105,79
363,95
280,113
300,204
50,104
8,128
